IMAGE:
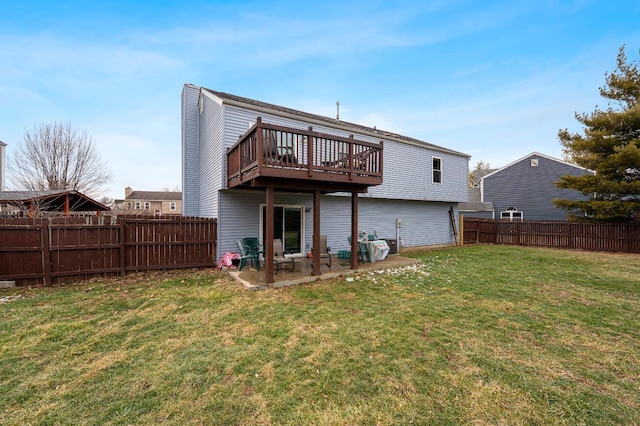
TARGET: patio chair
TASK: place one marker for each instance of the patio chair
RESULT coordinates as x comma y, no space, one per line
252,249
362,250
276,153
325,252
243,255
278,256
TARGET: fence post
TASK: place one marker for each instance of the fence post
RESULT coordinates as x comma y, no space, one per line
45,232
122,237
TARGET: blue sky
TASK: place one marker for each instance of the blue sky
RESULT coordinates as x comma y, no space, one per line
493,79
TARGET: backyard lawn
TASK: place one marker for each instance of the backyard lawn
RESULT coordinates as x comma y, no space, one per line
472,335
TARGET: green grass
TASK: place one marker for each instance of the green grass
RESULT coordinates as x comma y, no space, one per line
473,335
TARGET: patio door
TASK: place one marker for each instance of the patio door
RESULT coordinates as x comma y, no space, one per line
287,226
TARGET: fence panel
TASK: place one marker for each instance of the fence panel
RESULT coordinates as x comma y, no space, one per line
54,250
21,252
619,237
169,243
83,251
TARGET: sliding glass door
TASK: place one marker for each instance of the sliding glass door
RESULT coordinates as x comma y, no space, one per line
287,226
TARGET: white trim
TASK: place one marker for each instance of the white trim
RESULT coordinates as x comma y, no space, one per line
433,170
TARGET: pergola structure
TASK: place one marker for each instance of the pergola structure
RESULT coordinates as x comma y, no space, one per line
271,157
51,201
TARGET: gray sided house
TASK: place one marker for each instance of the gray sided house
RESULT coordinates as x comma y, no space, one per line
234,150
2,164
527,185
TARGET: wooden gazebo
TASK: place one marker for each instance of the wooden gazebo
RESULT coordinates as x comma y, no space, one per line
60,201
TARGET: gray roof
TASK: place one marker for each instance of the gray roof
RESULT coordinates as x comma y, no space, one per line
155,196
331,122
479,174
2,143
474,203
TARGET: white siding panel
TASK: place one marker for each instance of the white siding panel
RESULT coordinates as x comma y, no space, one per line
210,157
190,150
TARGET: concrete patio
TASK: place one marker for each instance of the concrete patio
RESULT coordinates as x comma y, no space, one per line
253,279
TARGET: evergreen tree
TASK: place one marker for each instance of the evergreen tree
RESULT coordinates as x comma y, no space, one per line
609,147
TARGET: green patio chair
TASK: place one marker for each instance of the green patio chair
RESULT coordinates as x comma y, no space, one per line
362,250
243,255
252,249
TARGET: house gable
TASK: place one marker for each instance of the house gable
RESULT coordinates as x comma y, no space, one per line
528,184
408,162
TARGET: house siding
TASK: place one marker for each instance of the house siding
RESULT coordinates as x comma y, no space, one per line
407,168
422,223
211,157
407,191
190,150
530,189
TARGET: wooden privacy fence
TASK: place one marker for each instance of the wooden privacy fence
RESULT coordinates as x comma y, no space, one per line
620,237
55,250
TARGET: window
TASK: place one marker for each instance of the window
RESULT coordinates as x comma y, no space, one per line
137,205
147,205
172,206
129,205
534,162
437,170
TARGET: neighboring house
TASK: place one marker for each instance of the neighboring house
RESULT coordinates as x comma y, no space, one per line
157,203
2,164
38,203
240,157
525,186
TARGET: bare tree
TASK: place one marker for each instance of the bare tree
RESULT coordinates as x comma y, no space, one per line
57,156
175,188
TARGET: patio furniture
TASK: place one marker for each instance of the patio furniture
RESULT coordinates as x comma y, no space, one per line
252,249
243,255
362,250
279,258
277,153
325,252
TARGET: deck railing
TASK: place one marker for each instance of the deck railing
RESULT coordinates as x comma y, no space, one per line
277,151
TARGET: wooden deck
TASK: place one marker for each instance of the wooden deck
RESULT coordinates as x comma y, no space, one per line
296,159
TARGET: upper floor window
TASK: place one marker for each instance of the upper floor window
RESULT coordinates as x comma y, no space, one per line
147,205
129,205
137,205
172,206
437,170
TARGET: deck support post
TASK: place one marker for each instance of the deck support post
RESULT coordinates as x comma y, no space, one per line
354,230
268,240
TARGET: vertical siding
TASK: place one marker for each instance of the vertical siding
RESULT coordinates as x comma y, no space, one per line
210,157
2,164
530,189
190,150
